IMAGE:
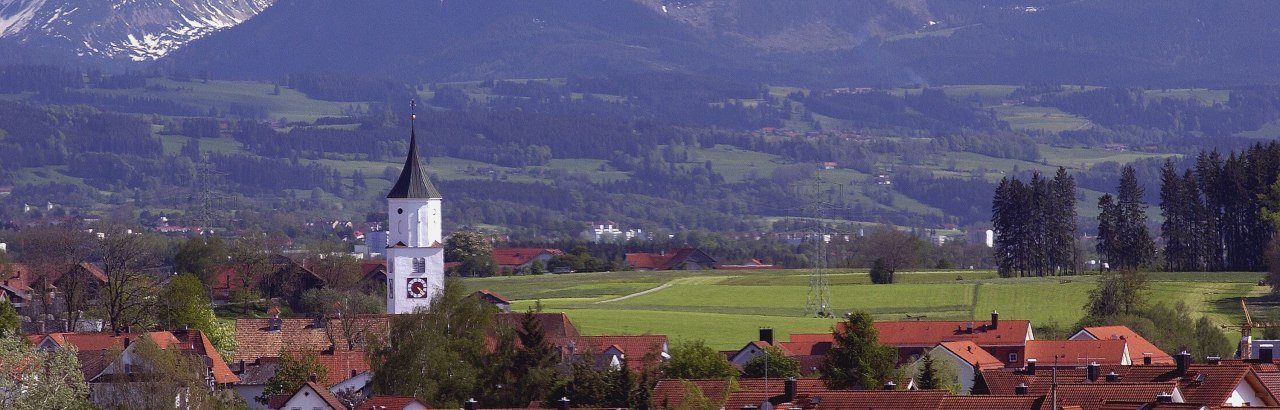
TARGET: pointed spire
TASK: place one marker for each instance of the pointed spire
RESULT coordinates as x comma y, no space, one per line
413,181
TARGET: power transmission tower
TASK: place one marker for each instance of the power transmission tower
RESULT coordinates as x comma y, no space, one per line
206,201
818,300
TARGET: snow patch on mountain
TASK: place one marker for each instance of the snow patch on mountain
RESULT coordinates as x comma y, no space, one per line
137,30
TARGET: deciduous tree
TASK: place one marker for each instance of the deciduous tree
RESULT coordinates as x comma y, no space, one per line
40,380
772,363
693,359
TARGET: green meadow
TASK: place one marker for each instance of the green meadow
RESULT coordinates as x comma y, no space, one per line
726,308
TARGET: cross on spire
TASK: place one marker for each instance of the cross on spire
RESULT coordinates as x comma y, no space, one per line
413,110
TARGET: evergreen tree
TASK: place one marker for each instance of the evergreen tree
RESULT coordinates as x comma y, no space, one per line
1108,218
1178,211
1136,245
857,358
1065,251
928,376
535,363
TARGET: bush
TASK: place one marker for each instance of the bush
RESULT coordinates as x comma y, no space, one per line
880,272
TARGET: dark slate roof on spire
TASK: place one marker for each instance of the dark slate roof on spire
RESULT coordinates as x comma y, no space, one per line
413,182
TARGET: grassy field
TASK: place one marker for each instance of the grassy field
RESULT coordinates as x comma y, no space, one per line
726,307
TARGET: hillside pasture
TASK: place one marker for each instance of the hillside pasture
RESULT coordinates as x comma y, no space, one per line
726,307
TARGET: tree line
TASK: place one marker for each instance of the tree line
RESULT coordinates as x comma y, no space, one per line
1035,226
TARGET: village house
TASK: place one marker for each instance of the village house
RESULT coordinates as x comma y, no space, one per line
309,396
967,358
674,259
493,298
105,357
21,285
522,260
278,277
1139,347
1219,384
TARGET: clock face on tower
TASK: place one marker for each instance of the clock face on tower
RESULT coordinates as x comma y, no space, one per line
417,288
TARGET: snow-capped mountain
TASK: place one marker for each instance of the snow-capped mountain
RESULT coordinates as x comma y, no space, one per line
137,30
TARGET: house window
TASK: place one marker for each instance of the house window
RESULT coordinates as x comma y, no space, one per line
419,265
391,288
1013,357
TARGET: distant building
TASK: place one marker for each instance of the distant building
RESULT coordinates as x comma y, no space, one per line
521,260
494,298
610,231
674,259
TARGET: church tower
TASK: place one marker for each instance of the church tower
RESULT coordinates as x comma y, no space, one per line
415,256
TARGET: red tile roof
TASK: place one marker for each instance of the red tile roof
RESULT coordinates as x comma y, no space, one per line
669,393
339,365
389,403
1077,352
492,296
988,402
555,325
253,340
512,257
20,276
852,399
668,260
280,400
195,341
972,354
1092,396
930,333
1219,381
1138,345
802,344
634,348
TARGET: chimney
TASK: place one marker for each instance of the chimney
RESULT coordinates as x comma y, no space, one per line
766,335
1091,371
126,341
273,324
1266,353
995,320
891,385
789,390
1164,398
563,403
1113,377
1146,359
968,326
318,322
353,373
312,377
1031,367
470,404
1183,360
1020,389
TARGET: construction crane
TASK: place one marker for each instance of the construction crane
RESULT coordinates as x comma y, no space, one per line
1244,351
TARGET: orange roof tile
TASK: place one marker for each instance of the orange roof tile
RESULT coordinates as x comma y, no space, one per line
988,402
1138,345
511,257
972,354
342,365
195,341
254,341
930,333
1092,396
1078,352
